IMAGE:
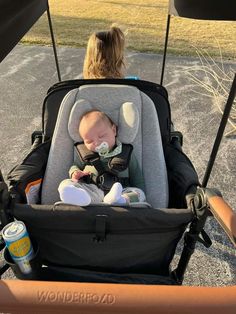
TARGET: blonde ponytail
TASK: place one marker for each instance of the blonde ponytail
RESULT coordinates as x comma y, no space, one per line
105,54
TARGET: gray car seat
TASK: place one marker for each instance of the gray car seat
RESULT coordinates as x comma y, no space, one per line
146,142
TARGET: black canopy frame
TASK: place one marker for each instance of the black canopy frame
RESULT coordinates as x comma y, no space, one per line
197,9
16,18
205,10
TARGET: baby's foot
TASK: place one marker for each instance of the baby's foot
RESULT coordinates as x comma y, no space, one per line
75,196
114,195
134,195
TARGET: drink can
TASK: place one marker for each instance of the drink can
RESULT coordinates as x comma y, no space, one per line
19,245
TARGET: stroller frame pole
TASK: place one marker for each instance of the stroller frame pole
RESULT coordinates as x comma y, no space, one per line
220,132
192,236
53,43
165,49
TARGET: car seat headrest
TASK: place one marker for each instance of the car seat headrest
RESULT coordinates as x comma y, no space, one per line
127,120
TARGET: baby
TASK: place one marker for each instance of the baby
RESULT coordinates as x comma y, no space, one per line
87,183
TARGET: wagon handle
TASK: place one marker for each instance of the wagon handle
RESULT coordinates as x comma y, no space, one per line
223,213
217,206
66,297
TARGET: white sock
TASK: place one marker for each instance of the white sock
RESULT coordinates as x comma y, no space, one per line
75,196
122,200
114,195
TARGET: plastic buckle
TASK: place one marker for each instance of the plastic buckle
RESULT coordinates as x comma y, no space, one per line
106,180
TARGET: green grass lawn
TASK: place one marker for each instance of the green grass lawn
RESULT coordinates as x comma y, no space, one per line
144,22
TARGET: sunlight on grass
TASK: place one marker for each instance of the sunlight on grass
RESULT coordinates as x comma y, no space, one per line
143,21
216,84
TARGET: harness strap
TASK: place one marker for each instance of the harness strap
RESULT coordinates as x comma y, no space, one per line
84,153
98,165
121,161
105,178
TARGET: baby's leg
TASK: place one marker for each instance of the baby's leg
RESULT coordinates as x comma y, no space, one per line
79,193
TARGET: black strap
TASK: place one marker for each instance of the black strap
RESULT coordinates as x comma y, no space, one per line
2,242
98,165
105,178
117,163
90,158
100,228
121,161
6,203
3,269
84,153
202,238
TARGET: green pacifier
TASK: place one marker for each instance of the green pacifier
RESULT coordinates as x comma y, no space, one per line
102,149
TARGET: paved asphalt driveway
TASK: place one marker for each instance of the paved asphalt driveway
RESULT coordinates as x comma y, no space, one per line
27,73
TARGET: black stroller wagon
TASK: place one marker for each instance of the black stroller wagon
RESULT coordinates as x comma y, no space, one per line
100,243
110,259
118,241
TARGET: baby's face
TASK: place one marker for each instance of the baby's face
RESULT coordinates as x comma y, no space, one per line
94,133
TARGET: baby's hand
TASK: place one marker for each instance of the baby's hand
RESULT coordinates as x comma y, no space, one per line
78,174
